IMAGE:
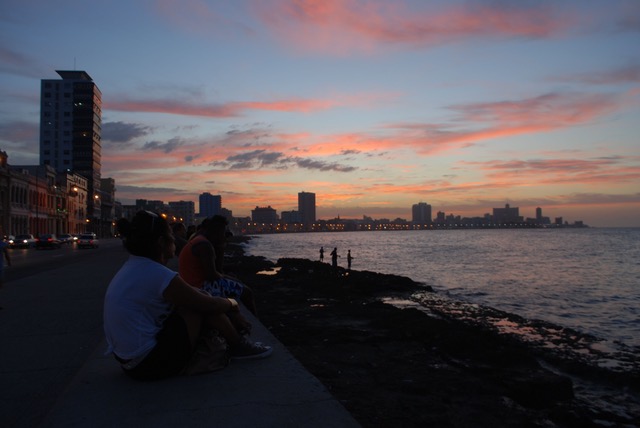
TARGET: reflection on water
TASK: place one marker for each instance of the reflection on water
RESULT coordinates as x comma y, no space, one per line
272,271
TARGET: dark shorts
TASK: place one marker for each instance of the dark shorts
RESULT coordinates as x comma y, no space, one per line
170,355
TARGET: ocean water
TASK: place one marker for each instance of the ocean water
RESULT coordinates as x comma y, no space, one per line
585,279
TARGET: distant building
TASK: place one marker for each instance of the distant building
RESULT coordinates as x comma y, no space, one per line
290,217
506,215
70,130
307,208
266,215
5,191
153,206
421,214
210,205
183,211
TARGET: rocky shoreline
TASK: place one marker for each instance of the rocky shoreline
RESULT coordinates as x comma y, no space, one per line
397,354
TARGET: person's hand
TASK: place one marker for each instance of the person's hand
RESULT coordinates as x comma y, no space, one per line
234,305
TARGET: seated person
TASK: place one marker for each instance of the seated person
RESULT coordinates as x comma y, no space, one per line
152,317
200,263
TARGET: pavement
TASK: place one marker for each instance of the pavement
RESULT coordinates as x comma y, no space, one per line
54,371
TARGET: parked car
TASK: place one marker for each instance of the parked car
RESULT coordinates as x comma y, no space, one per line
9,239
48,240
88,240
65,238
24,241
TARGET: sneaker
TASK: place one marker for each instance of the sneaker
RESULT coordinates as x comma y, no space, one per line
246,350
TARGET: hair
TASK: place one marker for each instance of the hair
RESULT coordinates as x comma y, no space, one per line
214,222
141,234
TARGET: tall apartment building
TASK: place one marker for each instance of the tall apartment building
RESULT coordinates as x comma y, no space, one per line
70,129
307,208
210,205
421,213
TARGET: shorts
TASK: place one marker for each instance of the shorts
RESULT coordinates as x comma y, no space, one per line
170,355
224,287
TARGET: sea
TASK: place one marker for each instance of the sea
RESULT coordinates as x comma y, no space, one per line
585,279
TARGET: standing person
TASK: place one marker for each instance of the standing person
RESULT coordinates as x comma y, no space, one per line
4,246
349,258
334,257
321,254
152,317
199,264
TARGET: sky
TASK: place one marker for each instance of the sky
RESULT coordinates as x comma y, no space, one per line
374,106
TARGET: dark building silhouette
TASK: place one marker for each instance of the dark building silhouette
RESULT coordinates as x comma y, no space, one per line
70,130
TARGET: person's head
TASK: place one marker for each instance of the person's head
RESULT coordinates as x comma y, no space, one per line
215,228
179,229
148,235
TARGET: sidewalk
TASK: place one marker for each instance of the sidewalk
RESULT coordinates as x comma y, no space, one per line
272,392
54,373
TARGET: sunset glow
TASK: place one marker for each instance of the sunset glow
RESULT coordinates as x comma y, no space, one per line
372,105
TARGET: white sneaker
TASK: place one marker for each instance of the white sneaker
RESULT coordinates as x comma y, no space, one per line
247,350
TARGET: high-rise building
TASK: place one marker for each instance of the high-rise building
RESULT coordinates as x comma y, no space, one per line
307,208
70,130
210,205
421,214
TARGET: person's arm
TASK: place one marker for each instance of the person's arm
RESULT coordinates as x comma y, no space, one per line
6,256
182,294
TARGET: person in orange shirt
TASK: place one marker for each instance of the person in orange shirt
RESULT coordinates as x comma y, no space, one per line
197,264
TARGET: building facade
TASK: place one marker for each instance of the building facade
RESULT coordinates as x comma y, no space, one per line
421,214
264,215
210,205
70,130
507,215
182,212
307,208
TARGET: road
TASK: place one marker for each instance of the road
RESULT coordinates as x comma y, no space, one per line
27,261
51,322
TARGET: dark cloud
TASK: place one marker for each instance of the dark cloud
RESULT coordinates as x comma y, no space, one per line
322,166
21,141
167,147
261,158
16,63
141,190
20,132
629,73
122,132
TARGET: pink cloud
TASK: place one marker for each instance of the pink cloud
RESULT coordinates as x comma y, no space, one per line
233,109
341,26
484,121
599,171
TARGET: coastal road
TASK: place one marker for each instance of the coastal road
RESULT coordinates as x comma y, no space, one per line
51,322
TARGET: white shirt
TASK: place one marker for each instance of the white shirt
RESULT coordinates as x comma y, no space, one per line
134,308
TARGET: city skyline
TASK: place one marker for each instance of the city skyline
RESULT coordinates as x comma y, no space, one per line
372,106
